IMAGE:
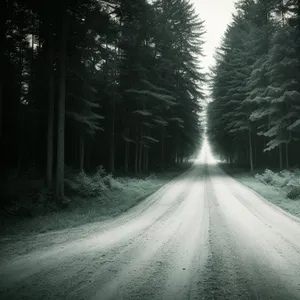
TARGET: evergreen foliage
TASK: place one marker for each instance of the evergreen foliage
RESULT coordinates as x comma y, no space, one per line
88,83
254,117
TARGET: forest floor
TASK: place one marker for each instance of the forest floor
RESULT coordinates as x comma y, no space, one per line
93,198
279,188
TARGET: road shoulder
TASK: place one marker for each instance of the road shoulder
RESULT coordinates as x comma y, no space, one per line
274,196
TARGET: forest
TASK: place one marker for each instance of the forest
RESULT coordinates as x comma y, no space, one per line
91,84
254,118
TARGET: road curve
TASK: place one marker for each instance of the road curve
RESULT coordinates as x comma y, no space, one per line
202,236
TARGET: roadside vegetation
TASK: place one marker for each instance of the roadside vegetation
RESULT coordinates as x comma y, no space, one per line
281,188
91,198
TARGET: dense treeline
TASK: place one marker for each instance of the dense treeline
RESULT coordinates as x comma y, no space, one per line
88,83
255,114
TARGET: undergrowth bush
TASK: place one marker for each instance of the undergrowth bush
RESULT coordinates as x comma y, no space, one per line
289,181
91,186
37,203
294,192
151,176
265,177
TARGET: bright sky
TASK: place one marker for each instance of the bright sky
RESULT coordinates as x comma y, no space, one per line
216,15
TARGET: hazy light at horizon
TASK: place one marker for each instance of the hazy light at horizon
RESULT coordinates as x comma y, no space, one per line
205,156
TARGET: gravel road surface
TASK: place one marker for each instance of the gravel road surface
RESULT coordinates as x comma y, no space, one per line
202,236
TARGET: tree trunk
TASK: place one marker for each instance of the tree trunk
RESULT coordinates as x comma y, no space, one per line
280,157
146,151
21,116
147,159
2,41
75,163
21,141
140,151
136,152
51,94
127,148
255,155
60,164
162,153
112,139
1,99
81,151
72,152
250,151
88,155
287,155
1,85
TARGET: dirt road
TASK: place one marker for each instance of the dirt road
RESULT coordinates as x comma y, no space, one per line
202,236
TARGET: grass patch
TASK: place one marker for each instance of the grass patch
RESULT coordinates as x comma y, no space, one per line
281,188
92,198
